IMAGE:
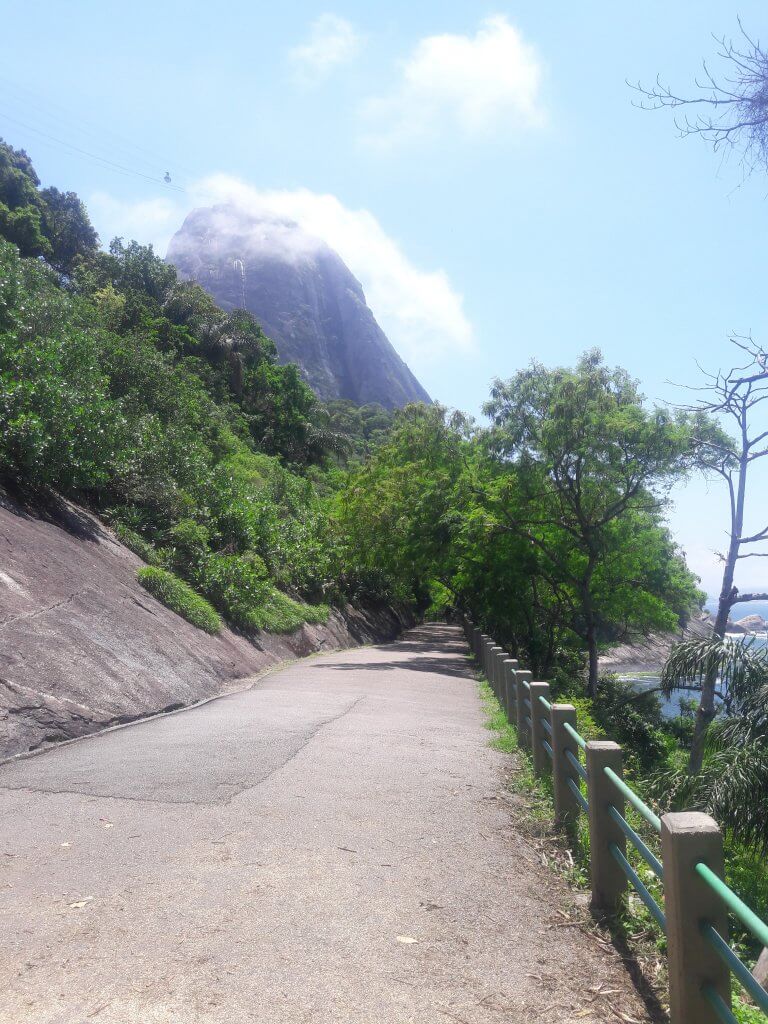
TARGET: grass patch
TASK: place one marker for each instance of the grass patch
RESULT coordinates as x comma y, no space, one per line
279,613
180,598
134,542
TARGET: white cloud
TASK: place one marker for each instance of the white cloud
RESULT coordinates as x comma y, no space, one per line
332,41
476,84
419,310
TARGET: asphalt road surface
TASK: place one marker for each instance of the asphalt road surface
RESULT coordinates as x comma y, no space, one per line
333,845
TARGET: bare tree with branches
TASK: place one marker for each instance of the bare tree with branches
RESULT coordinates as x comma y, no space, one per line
737,397
729,110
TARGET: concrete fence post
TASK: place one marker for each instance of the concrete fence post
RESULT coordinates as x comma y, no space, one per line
501,657
523,733
492,656
686,839
567,807
609,882
485,642
489,645
476,642
541,763
493,668
508,687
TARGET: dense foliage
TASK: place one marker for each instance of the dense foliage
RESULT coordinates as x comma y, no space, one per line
180,598
41,222
548,525
129,390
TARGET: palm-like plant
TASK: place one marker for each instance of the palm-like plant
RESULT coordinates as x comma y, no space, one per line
733,783
737,666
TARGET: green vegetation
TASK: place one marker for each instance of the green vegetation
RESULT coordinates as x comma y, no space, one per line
180,598
129,391
41,222
547,529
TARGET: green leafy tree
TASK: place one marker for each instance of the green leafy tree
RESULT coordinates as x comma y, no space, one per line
67,227
591,465
46,222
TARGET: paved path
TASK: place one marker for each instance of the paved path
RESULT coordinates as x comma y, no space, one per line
272,856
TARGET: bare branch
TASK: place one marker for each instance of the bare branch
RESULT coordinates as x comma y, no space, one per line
729,112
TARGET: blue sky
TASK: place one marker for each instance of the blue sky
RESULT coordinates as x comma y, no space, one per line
481,169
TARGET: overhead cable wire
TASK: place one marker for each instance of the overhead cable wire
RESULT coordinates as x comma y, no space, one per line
92,156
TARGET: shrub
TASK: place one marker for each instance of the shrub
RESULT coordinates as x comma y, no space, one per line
134,542
180,598
632,719
188,542
237,585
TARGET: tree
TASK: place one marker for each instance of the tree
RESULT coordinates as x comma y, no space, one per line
399,514
732,110
737,395
20,204
46,223
67,228
591,468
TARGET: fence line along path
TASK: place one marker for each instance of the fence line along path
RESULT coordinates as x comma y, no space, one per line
696,900
333,845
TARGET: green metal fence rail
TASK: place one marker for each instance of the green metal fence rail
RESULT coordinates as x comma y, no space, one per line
751,922
736,965
578,794
650,858
656,912
577,765
737,907
575,735
697,899
718,1004
643,809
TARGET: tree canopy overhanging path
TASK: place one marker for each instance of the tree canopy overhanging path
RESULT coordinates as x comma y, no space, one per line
272,855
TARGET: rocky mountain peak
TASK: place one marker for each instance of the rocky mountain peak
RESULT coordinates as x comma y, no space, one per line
303,295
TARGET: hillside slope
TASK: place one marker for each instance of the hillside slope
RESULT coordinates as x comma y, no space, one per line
303,295
84,646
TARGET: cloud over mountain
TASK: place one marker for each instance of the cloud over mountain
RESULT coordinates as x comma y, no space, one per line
420,310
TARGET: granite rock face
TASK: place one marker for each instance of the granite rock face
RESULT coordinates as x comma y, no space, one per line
83,646
305,298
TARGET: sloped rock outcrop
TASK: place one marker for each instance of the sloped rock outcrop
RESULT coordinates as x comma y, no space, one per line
83,646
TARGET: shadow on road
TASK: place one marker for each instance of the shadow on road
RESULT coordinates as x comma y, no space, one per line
438,666
449,657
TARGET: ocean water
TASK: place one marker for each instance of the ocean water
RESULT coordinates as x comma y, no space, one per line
739,611
670,706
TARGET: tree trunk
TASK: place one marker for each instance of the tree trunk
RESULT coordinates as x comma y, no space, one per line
706,710
590,634
592,649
